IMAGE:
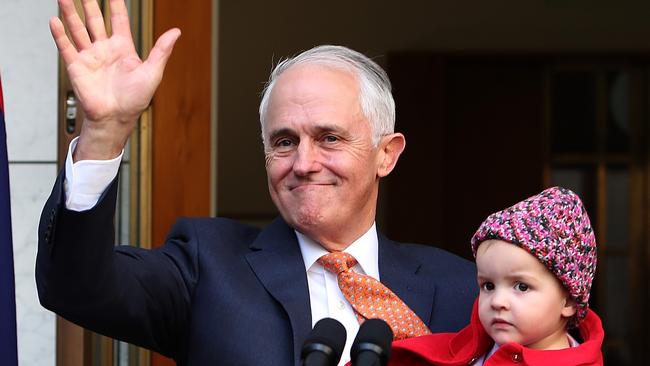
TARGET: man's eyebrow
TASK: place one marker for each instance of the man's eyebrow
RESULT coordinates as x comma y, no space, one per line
331,128
281,132
320,128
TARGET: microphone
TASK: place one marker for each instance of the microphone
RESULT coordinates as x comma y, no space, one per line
372,345
324,345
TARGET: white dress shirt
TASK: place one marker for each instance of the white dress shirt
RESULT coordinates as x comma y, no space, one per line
327,300
86,180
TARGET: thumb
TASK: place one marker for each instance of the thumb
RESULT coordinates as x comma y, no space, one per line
129,64
160,53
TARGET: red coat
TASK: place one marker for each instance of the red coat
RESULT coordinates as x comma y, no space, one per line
464,347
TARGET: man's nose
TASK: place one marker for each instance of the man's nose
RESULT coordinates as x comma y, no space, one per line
306,159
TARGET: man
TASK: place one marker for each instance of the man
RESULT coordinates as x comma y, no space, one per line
219,292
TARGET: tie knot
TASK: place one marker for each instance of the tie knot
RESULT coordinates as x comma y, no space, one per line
337,262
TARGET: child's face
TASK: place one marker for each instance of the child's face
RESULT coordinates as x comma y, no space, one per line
520,299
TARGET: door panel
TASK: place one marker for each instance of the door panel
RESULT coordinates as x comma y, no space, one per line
473,128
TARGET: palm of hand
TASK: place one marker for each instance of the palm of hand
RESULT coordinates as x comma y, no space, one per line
109,80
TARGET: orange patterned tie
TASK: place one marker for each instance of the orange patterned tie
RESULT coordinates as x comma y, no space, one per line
371,299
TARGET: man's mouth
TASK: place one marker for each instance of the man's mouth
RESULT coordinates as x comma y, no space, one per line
308,185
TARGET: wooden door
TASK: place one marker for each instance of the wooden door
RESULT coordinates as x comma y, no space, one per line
169,160
182,127
474,144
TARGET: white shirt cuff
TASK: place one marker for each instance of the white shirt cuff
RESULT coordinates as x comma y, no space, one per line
86,180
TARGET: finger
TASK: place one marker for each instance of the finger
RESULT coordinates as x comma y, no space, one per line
94,20
161,51
75,25
63,44
120,18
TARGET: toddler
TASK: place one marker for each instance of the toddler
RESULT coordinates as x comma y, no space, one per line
535,264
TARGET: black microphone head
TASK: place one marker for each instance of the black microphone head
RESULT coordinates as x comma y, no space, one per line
328,337
375,336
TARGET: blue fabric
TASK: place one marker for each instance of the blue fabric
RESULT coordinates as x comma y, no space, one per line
217,292
8,350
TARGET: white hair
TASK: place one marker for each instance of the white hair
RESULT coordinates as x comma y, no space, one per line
375,95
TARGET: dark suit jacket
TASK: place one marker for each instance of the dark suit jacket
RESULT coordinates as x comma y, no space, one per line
217,292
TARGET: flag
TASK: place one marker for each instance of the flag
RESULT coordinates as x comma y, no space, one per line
8,342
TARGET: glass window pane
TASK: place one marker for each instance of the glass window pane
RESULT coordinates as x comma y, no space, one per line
615,319
581,179
122,214
573,127
618,207
121,354
618,112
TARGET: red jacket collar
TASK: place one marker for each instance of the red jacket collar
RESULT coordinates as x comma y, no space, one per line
472,342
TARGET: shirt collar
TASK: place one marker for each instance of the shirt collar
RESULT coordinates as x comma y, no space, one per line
365,250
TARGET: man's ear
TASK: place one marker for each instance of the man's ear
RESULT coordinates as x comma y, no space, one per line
569,309
390,148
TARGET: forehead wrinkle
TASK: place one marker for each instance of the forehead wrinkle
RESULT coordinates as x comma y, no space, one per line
326,127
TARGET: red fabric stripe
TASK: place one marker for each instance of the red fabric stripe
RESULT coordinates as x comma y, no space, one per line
2,105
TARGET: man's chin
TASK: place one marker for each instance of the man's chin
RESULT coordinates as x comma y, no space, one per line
303,214
308,224
312,226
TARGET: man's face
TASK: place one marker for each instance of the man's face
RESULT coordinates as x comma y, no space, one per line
520,300
321,164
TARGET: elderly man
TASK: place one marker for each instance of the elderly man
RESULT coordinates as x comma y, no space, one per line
219,292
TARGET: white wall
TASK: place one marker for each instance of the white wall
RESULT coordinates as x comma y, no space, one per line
28,64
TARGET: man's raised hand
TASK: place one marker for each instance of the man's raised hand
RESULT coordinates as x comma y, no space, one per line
113,85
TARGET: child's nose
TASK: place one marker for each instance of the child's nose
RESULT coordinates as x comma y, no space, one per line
499,300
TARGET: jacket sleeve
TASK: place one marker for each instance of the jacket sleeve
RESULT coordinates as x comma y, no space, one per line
139,296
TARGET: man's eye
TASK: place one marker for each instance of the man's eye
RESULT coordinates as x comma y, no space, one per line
331,138
488,286
283,143
521,287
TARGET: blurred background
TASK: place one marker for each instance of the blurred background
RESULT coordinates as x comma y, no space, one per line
497,99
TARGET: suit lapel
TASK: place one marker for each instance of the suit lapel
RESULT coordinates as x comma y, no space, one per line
277,261
399,271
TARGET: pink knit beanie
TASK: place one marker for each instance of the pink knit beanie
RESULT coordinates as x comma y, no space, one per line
554,227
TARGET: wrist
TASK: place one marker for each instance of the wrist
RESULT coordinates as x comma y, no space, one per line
98,141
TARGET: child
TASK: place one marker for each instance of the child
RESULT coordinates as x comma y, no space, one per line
536,261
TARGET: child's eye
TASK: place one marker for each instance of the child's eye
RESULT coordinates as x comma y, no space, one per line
521,286
488,286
